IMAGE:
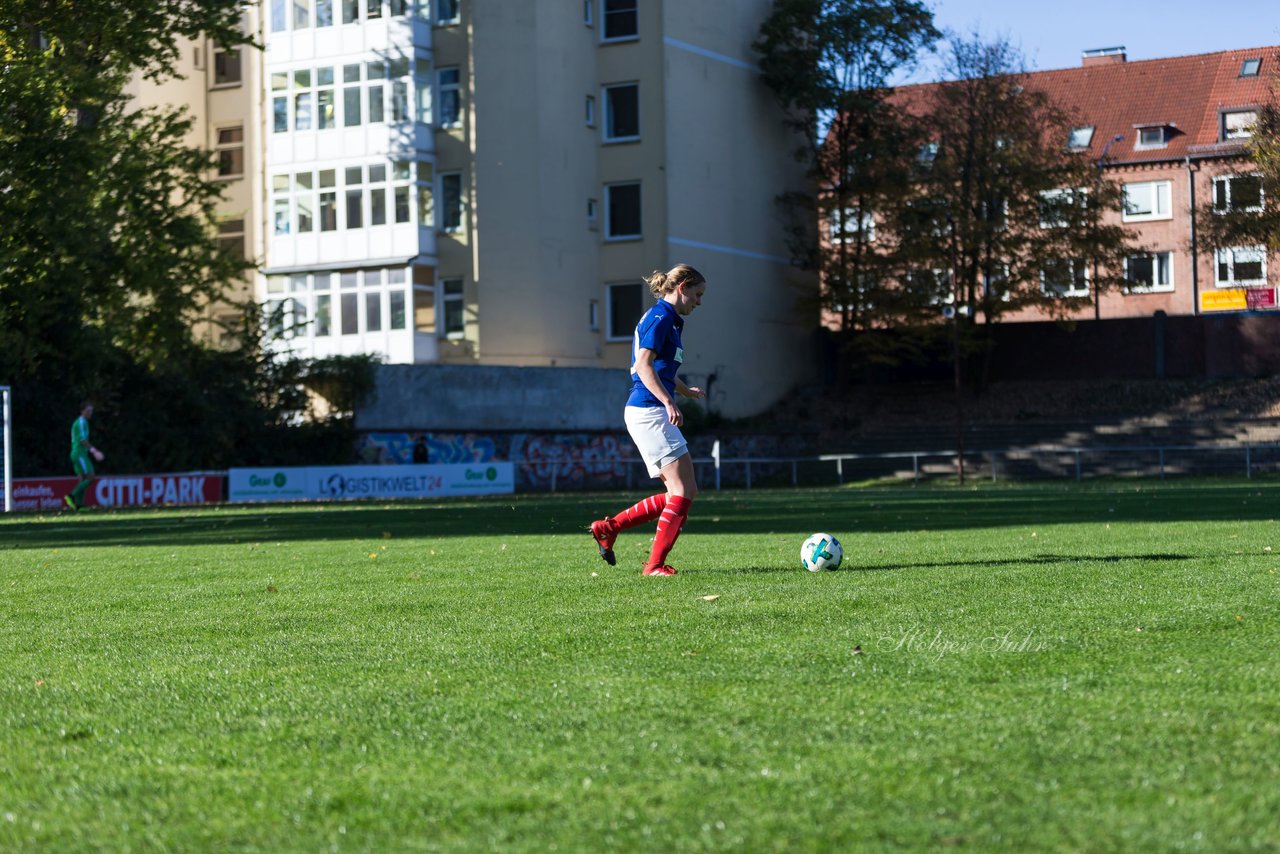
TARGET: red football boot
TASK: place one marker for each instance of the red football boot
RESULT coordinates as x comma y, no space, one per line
659,570
605,532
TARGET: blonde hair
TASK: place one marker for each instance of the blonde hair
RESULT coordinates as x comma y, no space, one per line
664,283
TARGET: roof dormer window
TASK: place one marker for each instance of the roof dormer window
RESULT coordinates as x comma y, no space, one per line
1080,138
1238,124
1251,66
1152,136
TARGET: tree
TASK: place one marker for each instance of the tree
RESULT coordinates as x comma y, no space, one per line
828,63
109,250
1003,215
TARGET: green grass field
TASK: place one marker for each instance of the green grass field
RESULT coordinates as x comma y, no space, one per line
1046,667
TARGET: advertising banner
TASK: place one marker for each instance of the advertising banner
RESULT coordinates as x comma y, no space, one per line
1231,299
46,494
330,483
1259,299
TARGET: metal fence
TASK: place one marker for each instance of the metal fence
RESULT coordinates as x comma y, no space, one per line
996,464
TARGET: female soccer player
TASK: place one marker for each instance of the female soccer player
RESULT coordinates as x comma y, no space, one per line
654,420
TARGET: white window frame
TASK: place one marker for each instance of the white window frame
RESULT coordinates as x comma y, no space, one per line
1227,181
1161,201
1231,281
1157,286
588,12
589,111
593,214
608,219
1242,132
604,23
625,334
1071,291
607,125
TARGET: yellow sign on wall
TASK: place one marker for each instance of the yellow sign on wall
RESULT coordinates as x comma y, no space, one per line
1232,299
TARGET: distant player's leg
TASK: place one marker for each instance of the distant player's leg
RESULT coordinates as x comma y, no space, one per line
681,489
84,468
605,531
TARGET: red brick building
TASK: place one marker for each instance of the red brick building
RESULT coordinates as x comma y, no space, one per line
1169,130
1182,124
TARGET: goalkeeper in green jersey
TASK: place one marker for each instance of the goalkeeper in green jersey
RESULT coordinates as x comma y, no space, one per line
81,452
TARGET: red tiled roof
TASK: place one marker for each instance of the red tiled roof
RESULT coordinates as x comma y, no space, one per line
1186,93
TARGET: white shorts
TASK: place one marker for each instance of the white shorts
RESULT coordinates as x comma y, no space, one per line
660,442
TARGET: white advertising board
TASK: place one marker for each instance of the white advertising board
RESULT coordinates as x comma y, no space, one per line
331,483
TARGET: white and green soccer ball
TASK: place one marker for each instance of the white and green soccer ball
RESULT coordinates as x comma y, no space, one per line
821,552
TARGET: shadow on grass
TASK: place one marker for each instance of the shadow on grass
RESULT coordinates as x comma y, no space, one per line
792,512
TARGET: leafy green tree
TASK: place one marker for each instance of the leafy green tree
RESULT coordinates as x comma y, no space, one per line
109,251
828,63
1003,216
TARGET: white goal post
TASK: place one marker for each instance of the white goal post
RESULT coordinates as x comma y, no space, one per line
7,459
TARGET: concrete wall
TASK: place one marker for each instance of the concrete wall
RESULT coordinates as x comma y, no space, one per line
481,397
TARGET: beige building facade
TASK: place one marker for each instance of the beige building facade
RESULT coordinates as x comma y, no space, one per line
486,182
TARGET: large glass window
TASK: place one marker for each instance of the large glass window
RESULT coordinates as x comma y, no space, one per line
1240,265
622,211
1147,200
350,11
621,20
1237,193
301,14
1149,271
324,13
622,112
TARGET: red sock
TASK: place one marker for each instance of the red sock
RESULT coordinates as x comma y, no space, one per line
669,525
645,511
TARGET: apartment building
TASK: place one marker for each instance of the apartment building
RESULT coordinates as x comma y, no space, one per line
222,93
486,181
1172,132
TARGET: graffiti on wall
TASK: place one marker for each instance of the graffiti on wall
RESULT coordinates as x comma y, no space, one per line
570,460
565,460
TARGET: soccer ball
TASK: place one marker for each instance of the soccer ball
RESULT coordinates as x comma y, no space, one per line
821,552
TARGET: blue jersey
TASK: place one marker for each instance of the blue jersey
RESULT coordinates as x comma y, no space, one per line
659,331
